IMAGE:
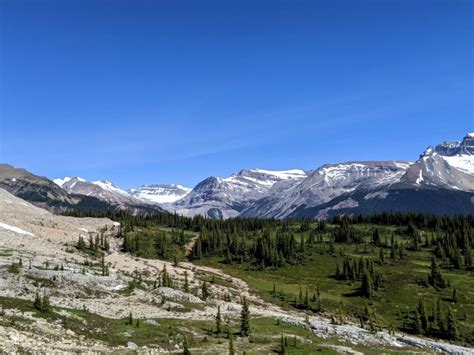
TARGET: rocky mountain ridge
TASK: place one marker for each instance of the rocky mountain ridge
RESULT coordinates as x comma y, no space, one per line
445,170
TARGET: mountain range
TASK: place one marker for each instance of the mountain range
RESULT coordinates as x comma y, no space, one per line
441,181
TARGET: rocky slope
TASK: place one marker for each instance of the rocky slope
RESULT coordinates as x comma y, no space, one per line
441,182
325,184
449,165
223,198
103,190
44,192
85,302
350,187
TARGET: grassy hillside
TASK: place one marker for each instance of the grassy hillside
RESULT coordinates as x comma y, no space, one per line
393,305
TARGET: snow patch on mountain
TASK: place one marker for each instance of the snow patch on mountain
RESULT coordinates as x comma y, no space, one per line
464,163
226,197
449,165
109,186
161,193
14,229
61,182
378,194
324,184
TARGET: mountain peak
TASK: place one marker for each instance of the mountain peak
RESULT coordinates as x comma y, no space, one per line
160,193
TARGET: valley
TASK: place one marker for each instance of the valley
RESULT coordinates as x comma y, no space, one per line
68,285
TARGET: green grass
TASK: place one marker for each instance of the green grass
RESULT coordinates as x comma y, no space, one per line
400,294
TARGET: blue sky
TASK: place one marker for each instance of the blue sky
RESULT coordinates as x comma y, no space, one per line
175,91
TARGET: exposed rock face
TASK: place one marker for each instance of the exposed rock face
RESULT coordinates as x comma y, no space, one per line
325,184
104,190
43,192
222,198
466,146
449,165
107,192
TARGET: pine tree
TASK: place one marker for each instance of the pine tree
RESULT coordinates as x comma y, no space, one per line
130,318
204,290
38,302
306,299
435,278
186,282
439,317
245,319
454,296
376,237
367,287
282,345
422,315
186,347
102,264
218,320
46,304
452,325
231,345
417,326
393,253
467,258
381,257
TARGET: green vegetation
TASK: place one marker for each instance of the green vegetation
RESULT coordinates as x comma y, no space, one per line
164,333
353,268
372,269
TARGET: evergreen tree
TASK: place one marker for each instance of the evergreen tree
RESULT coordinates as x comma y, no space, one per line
393,252
381,257
435,278
218,320
306,299
422,315
452,325
186,347
46,304
376,237
439,317
282,345
245,319
454,295
205,290
367,287
38,302
417,326
130,318
231,345
186,282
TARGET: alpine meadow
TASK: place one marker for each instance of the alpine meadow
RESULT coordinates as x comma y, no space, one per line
236,177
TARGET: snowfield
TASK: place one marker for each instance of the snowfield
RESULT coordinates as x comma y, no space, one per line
14,229
462,162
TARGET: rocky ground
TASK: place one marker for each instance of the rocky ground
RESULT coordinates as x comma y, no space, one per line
38,254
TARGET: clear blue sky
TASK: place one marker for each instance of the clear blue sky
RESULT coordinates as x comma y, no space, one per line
175,91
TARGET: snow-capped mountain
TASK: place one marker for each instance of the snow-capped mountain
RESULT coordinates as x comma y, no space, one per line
326,183
44,193
102,189
449,165
227,197
160,193
441,181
